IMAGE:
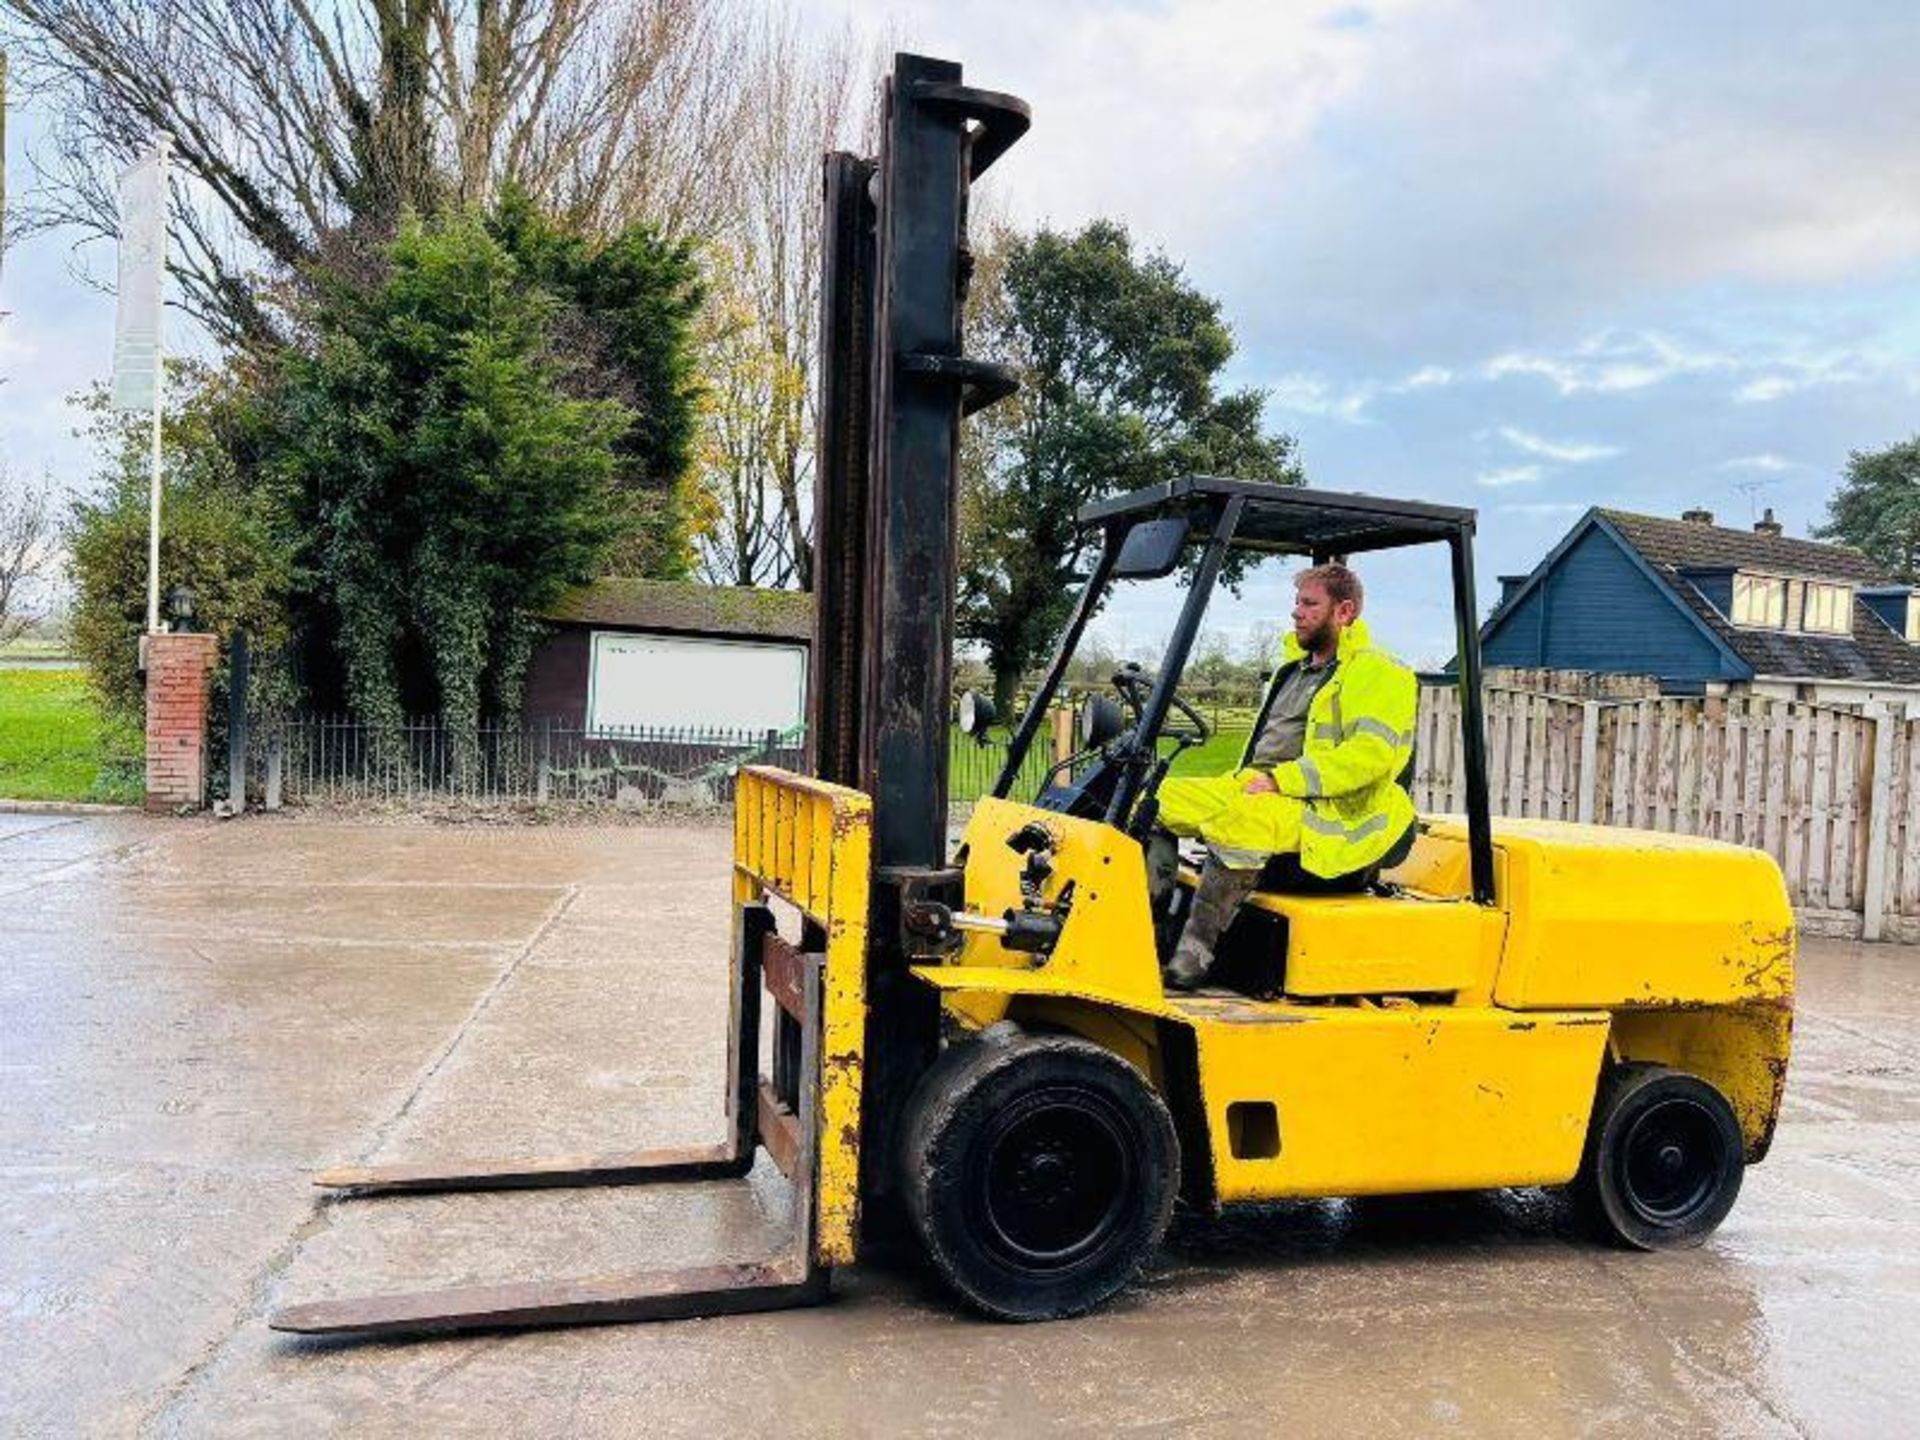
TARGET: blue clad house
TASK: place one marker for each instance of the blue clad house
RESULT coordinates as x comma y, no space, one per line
1707,609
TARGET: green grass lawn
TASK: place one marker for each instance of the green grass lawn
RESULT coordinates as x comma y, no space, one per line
56,745
974,767
1219,755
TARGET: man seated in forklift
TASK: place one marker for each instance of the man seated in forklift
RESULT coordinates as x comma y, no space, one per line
1319,787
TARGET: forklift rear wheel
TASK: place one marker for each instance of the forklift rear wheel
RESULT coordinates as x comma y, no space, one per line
1664,1159
1040,1171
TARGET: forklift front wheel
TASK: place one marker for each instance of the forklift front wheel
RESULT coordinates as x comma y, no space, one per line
1040,1171
1664,1159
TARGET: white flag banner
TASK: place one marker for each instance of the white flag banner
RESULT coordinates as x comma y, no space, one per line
143,259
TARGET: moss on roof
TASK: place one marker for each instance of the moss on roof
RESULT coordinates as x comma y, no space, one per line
687,607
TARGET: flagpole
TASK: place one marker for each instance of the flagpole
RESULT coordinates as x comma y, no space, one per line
161,143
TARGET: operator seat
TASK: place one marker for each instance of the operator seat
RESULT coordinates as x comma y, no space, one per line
1284,875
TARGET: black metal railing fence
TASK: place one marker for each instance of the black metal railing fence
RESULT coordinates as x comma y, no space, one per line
337,758
307,758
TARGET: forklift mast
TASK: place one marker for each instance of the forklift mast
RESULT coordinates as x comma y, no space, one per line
850,1025
894,385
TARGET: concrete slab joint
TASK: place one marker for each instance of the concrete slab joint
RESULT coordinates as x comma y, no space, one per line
179,676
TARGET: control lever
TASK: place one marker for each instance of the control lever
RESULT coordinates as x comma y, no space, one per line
1034,841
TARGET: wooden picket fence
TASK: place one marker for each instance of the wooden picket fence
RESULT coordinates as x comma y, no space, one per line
1830,793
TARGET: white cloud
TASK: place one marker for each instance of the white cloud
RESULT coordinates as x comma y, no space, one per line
1769,463
1610,363
1619,362
1315,164
1788,374
1508,475
1571,452
1171,116
1657,148
1303,394
1767,387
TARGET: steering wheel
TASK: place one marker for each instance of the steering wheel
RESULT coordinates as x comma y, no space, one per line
1135,684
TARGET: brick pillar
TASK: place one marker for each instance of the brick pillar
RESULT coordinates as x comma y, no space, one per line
179,668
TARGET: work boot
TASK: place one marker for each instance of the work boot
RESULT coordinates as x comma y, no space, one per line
1215,899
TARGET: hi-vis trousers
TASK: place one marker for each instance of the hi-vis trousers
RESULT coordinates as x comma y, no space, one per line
1242,830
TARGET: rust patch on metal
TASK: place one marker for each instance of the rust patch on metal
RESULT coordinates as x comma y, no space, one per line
779,1131
784,969
657,1295
1226,1011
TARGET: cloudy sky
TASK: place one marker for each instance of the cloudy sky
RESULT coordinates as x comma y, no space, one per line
1526,257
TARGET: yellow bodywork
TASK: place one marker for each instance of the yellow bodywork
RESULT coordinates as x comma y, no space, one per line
810,844
1421,1042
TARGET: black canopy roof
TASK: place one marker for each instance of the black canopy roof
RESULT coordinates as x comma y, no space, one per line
1290,519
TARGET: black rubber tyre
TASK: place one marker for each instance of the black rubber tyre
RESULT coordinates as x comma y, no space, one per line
1664,1159
1040,1172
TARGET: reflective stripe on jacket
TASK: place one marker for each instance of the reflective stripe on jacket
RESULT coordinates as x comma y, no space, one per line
1359,739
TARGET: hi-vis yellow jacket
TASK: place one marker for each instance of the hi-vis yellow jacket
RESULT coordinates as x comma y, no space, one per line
1359,738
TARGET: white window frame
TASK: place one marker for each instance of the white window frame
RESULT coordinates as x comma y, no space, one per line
1836,600
1791,603
1749,590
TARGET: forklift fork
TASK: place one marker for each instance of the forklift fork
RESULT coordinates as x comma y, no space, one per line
804,842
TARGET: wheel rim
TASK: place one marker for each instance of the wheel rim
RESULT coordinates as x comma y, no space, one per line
1057,1176
1671,1160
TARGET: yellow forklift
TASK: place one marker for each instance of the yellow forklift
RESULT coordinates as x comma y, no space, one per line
972,1055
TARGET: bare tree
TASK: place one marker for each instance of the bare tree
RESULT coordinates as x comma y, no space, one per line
806,96
301,127
744,539
26,551
3,160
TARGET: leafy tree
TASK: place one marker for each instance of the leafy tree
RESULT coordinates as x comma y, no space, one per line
1119,356
632,304
224,533
449,483
1877,508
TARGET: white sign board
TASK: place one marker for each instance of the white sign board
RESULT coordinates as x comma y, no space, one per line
143,262
660,680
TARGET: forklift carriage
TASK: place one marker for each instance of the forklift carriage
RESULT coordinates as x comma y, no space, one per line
973,1057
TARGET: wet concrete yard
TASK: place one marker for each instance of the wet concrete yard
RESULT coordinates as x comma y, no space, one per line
194,1016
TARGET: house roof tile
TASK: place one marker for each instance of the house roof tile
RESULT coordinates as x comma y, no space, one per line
1871,653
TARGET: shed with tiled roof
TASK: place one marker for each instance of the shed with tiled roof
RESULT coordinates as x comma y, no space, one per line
626,652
